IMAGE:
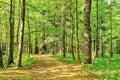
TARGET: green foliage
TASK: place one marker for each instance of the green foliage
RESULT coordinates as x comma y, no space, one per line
104,68
117,47
68,59
26,61
100,69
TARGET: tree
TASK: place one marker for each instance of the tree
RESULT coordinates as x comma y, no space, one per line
77,40
87,32
97,17
72,30
19,57
29,42
36,41
12,23
19,14
1,61
63,34
111,30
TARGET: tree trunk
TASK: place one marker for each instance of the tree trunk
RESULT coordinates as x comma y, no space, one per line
12,23
101,41
36,45
97,43
17,38
63,34
29,42
87,33
111,30
53,48
43,41
43,49
19,57
1,61
77,40
72,29
101,44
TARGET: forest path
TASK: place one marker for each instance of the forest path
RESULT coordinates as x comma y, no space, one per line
46,68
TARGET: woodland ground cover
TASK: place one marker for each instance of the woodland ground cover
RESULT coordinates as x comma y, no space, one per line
27,61
102,68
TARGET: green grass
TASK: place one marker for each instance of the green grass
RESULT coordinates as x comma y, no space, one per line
101,68
68,59
105,68
25,61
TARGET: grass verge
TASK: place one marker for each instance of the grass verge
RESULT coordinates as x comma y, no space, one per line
26,61
103,68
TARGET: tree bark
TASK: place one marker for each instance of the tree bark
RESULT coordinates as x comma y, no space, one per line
63,34
72,35
19,57
1,61
77,40
87,32
29,36
17,37
36,45
111,30
12,23
97,43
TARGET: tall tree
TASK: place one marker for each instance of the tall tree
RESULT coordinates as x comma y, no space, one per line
1,61
12,23
19,14
87,32
43,41
101,41
29,36
77,40
19,57
63,34
36,43
97,43
72,31
111,30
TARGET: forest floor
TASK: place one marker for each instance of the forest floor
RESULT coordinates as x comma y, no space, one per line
46,68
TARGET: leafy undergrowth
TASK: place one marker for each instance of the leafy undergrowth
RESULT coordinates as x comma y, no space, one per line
103,67
26,61
68,59
46,68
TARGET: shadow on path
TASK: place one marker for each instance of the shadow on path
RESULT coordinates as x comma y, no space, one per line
46,68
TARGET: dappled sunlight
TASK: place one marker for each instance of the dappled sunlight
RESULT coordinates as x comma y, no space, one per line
47,68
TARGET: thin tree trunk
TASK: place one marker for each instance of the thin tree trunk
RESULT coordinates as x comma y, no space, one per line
101,43
1,61
36,41
72,46
43,42
29,42
77,40
111,30
19,57
17,37
36,45
63,34
93,50
87,33
1,38
97,43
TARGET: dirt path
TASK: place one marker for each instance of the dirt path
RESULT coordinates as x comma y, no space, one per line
47,68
